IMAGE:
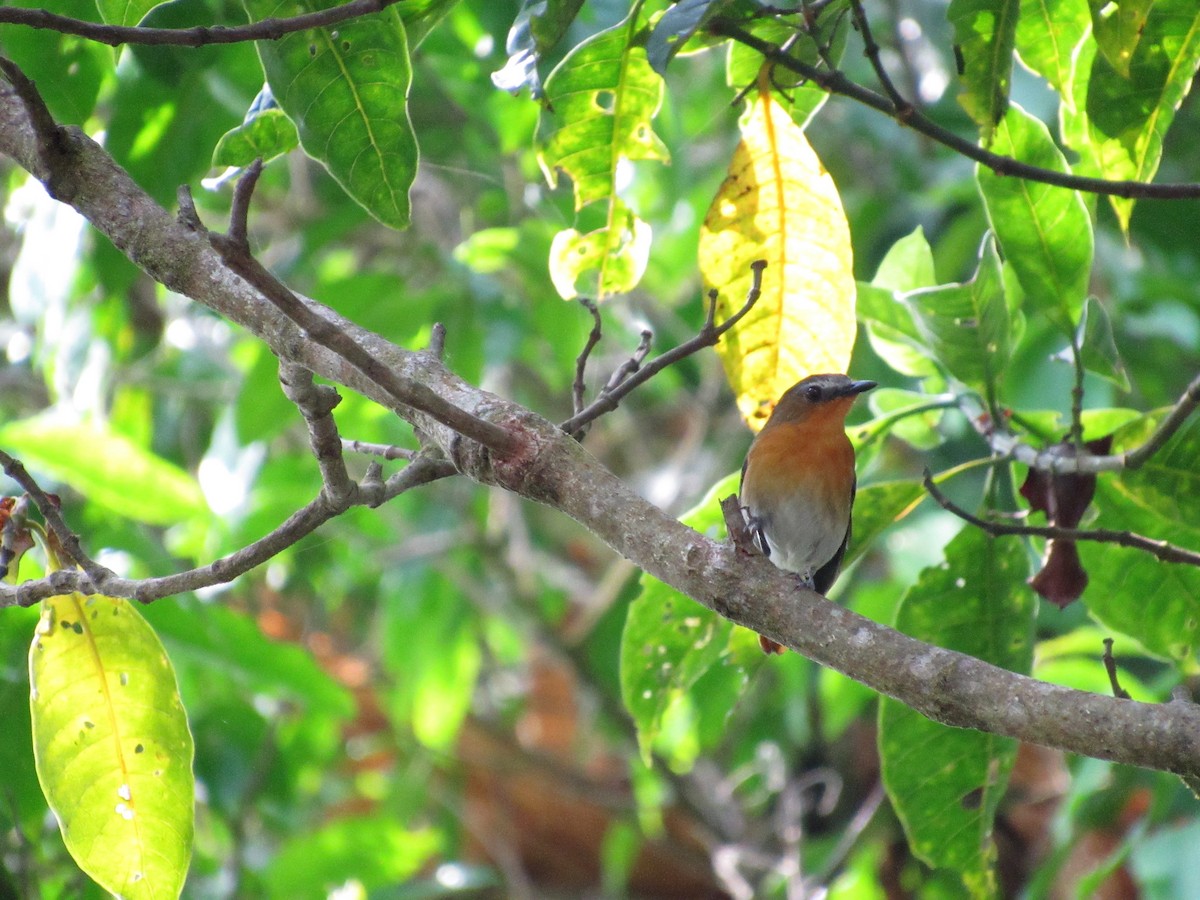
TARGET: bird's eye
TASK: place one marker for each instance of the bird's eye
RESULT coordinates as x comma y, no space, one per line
813,393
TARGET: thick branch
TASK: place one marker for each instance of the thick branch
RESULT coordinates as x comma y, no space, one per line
835,82
115,35
553,469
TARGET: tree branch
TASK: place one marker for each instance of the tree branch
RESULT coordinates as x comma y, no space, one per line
836,82
1160,549
199,36
553,469
1006,444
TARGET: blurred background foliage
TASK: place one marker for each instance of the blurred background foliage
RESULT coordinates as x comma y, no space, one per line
423,700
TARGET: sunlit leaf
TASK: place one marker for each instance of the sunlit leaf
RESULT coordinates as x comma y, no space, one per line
347,91
945,783
108,469
876,508
778,204
267,135
112,745
1128,116
602,99
984,40
1045,232
1048,34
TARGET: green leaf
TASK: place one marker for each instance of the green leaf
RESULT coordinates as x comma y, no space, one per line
112,746
1048,35
347,91
1098,346
210,635
876,508
1130,591
68,71
907,266
911,416
1128,116
824,40
601,102
984,39
676,27
945,783
1045,232
1119,28
374,852
108,469
432,651
266,135
124,12
420,17
670,641
966,326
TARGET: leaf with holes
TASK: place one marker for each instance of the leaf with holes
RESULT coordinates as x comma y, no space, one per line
945,783
601,101
112,745
779,204
347,91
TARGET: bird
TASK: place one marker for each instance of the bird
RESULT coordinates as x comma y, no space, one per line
798,482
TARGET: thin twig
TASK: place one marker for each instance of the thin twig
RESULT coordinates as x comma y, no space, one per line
1110,666
239,209
316,403
904,107
836,82
321,330
385,451
1160,549
97,574
1076,436
709,334
199,36
593,338
298,525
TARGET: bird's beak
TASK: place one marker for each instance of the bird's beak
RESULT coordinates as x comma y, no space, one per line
858,387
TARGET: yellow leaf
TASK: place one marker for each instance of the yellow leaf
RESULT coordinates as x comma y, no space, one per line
111,745
779,204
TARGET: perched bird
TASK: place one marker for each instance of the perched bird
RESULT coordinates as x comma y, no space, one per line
798,482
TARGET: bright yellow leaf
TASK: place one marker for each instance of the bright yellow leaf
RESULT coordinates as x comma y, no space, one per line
779,204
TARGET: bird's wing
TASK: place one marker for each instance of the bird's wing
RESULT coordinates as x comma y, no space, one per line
825,576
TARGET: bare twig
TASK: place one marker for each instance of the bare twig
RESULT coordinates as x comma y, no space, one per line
836,82
1160,549
199,36
97,574
316,403
593,338
239,209
324,332
386,451
632,377
298,525
1110,666
904,108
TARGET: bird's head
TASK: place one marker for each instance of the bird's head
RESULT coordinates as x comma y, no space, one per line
818,396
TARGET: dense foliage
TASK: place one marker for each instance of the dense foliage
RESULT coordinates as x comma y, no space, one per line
465,693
